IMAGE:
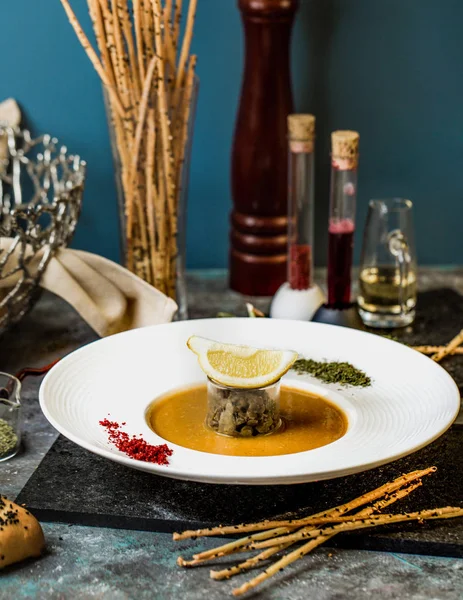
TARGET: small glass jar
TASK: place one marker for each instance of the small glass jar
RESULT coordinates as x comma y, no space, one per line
241,412
388,271
10,416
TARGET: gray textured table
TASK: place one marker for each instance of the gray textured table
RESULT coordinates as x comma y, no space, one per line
83,562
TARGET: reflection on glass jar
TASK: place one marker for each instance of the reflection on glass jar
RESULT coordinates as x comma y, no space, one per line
243,412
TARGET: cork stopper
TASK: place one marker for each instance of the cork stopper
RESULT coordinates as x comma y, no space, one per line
301,132
345,149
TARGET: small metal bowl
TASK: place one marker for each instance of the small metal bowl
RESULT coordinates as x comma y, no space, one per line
41,188
10,416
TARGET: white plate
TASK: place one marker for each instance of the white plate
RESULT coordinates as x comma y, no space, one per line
411,401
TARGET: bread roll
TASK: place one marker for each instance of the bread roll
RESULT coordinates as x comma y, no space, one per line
20,533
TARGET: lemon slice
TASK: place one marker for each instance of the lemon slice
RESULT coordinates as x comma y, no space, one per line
241,366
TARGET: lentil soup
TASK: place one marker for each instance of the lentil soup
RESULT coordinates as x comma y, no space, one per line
309,421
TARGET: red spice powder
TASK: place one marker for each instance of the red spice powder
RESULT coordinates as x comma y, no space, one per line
136,447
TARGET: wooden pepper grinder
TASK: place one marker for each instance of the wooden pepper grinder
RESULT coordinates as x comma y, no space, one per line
259,219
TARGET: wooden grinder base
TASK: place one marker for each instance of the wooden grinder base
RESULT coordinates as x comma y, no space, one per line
258,255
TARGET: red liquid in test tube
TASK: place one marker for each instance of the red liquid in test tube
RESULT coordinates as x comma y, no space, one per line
341,224
340,248
300,200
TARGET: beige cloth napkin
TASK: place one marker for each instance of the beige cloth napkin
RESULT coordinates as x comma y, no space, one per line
107,296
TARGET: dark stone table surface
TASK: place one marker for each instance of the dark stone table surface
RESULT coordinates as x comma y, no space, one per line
89,562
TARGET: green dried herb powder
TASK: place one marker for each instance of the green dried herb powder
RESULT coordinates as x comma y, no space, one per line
8,438
342,373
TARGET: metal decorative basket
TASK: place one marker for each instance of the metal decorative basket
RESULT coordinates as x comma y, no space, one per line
41,188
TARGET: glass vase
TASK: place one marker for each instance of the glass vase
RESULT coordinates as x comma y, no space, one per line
147,264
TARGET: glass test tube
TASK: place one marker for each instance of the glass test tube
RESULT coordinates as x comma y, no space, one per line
301,140
341,225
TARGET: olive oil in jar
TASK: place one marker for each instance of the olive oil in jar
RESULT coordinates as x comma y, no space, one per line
382,291
387,295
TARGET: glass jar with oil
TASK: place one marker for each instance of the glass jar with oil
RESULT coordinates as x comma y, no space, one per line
387,285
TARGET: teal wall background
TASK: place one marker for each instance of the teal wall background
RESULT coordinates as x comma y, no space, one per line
390,68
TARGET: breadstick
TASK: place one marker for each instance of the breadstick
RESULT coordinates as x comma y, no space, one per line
441,513
132,57
100,35
150,191
176,22
185,48
373,521
150,169
250,563
434,349
274,535
343,508
92,55
139,38
138,133
457,340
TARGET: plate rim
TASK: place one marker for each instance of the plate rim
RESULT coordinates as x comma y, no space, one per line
223,478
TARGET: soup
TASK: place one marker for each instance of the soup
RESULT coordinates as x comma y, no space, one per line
309,422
